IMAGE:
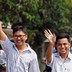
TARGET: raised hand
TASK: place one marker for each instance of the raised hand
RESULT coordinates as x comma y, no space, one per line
2,34
51,37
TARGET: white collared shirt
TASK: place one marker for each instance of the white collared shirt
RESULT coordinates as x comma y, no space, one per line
20,62
2,57
58,66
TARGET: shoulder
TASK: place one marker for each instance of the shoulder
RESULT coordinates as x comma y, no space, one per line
70,55
32,52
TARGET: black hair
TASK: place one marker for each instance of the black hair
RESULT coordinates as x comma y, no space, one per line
63,35
60,36
19,26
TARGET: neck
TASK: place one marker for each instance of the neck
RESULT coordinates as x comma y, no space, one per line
64,56
22,47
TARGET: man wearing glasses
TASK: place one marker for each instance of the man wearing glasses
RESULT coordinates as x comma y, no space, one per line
20,56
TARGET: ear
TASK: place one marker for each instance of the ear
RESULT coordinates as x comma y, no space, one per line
26,37
70,45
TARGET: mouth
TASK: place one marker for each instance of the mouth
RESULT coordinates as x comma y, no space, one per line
63,50
19,41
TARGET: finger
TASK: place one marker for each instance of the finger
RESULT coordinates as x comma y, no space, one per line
46,32
1,22
1,25
49,32
54,36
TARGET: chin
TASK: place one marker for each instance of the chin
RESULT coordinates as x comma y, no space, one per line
19,44
62,52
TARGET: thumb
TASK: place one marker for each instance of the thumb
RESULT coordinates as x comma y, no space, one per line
1,24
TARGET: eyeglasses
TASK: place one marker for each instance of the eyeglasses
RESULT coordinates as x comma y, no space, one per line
19,36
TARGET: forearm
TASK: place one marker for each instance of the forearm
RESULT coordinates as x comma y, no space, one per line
49,52
2,34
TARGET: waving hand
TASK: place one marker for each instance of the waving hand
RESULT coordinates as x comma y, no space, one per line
51,37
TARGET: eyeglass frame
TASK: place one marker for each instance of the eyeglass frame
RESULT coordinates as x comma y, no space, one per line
19,36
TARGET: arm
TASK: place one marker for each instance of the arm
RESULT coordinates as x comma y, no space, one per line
2,34
4,41
51,37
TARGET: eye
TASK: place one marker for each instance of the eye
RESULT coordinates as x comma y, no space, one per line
65,43
19,36
59,44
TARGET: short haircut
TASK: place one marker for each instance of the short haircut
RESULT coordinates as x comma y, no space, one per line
63,35
19,26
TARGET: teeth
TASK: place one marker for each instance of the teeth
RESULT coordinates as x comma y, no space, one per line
18,41
63,50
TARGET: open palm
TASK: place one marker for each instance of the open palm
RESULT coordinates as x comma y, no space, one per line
51,37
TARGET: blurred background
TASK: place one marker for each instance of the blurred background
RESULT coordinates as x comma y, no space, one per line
37,15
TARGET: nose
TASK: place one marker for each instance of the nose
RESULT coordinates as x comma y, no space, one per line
18,38
62,46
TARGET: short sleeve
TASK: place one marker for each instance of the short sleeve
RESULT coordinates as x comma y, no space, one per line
6,44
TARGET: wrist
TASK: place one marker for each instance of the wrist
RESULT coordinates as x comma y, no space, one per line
52,44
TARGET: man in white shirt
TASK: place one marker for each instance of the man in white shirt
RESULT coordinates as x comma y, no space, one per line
20,56
62,60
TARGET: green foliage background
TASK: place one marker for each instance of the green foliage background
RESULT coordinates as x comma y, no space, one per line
38,15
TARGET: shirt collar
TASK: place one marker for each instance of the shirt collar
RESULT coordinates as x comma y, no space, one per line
69,55
27,49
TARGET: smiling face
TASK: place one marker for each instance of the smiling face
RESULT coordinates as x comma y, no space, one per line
19,38
63,46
